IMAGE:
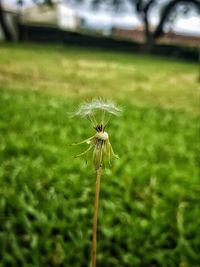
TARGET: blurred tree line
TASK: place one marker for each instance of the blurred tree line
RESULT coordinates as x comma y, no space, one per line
143,8
167,11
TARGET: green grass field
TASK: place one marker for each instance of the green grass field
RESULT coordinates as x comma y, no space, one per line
149,204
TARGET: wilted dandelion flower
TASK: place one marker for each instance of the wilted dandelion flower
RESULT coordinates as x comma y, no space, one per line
98,112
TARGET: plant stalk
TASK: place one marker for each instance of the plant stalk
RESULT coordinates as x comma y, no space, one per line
95,218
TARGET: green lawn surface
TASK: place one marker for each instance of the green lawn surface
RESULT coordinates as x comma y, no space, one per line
149,212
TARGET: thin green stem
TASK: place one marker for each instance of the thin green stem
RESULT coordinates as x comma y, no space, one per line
94,229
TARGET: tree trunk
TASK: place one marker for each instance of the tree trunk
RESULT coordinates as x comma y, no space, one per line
4,26
149,40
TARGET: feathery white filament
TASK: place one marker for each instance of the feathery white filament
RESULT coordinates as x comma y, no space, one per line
88,109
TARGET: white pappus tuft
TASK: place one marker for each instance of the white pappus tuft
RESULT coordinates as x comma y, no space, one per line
90,108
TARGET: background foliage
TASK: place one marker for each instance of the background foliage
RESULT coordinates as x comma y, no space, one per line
149,213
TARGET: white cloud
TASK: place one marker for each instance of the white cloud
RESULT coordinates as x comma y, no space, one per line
188,25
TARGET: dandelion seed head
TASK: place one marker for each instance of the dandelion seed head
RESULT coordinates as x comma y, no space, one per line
98,112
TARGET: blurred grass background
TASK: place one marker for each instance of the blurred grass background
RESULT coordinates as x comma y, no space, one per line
149,205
